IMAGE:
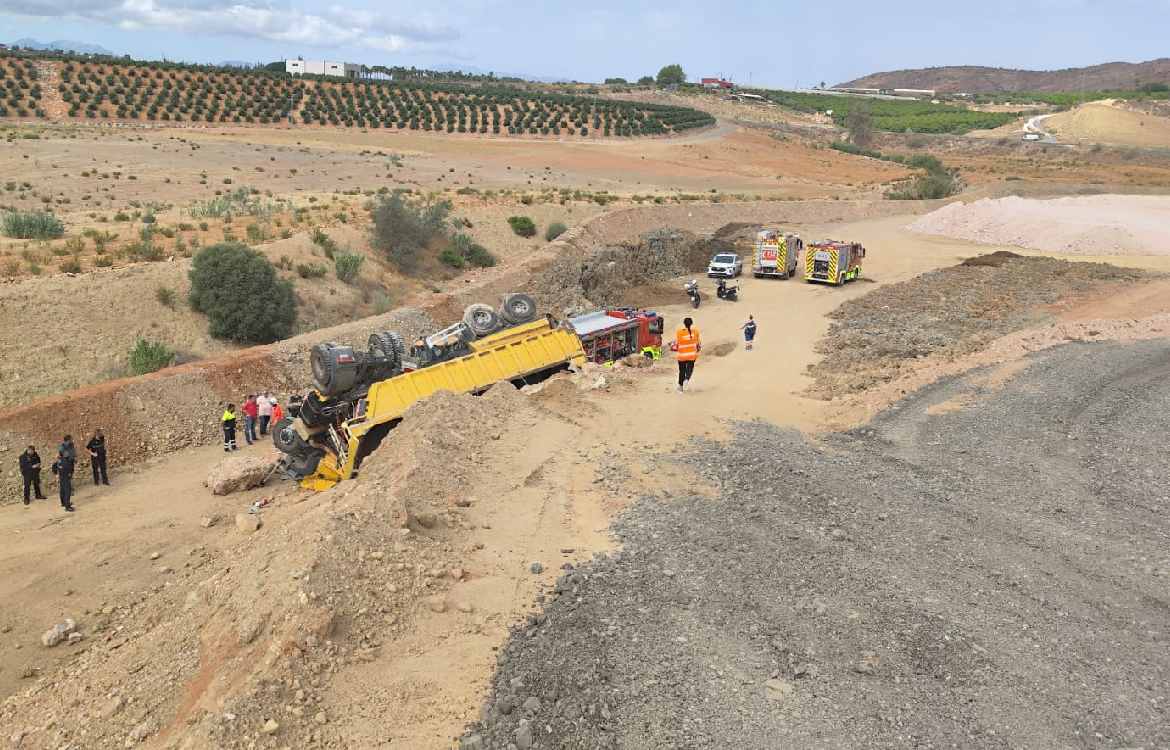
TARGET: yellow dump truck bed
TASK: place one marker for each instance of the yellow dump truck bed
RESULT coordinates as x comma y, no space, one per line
514,353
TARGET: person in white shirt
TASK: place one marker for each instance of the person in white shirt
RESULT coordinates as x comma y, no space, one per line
264,406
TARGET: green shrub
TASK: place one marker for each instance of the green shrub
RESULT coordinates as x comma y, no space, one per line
32,225
478,255
522,225
403,230
73,265
927,187
464,251
324,241
859,123
452,257
556,229
347,265
255,233
310,270
145,251
149,356
239,291
165,296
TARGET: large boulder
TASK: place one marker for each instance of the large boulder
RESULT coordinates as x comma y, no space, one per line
237,473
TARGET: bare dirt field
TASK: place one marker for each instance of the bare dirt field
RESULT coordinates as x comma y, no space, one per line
1111,121
1082,225
106,183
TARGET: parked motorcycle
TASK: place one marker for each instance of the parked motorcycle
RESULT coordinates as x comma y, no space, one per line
729,293
692,290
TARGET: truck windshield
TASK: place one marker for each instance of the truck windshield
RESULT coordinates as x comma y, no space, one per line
724,258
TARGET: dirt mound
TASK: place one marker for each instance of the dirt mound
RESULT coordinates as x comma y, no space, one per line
954,311
724,348
440,443
1111,122
237,650
993,260
580,279
1082,225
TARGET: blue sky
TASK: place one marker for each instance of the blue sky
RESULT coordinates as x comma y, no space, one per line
779,43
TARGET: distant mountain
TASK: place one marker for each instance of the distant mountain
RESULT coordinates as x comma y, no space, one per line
976,79
64,45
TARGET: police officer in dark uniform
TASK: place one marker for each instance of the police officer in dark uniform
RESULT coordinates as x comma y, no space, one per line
30,470
97,457
63,468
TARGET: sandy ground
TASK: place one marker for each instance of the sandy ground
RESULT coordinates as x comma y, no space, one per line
1112,122
549,504
130,519
1091,225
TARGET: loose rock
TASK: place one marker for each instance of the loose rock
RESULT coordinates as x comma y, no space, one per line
58,633
237,473
247,523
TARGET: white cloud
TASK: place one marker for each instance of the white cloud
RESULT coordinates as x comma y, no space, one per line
326,26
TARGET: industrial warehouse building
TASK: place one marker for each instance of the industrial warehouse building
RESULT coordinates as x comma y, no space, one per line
322,68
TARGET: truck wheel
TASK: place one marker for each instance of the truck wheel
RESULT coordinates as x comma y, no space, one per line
323,365
390,346
481,319
518,308
285,438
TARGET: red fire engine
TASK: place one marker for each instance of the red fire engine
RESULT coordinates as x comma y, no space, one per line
609,335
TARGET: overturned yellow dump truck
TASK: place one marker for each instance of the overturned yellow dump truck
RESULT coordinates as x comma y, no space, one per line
360,396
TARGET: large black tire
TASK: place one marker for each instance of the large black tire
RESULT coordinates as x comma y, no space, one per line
395,339
286,439
323,366
517,309
481,319
389,346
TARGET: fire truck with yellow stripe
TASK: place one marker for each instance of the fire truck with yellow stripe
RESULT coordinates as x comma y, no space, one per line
833,262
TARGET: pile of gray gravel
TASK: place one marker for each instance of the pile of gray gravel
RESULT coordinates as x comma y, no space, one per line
991,577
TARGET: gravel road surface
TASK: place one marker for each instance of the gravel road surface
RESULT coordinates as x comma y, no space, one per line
993,576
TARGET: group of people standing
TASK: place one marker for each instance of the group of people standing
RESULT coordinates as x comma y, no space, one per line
261,410
63,467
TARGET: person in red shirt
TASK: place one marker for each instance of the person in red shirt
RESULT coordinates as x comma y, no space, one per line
250,411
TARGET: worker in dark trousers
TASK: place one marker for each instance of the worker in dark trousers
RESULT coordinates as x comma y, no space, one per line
97,457
229,428
63,468
30,470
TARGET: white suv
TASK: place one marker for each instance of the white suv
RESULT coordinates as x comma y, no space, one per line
727,265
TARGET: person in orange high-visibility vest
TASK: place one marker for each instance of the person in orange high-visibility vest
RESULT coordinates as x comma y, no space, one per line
686,346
